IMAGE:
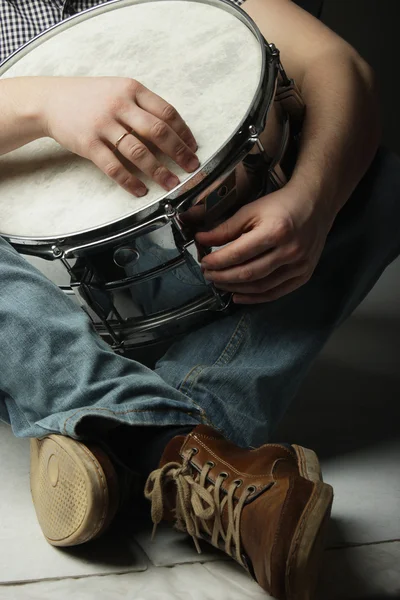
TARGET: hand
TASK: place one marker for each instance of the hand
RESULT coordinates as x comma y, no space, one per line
274,245
88,115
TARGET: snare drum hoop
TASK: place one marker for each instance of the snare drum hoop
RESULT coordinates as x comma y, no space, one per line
240,142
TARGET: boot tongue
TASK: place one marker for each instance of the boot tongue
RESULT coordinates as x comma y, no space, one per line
207,432
172,452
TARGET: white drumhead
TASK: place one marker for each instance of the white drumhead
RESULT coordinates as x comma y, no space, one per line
200,58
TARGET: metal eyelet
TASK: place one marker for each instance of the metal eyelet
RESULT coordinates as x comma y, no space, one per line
251,489
210,463
224,475
238,482
194,451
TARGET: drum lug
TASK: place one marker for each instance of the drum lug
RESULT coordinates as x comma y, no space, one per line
253,134
56,251
276,55
172,214
276,173
170,211
256,140
288,94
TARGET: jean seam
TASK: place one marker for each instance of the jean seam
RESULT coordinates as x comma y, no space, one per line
229,351
122,412
236,340
187,383
226,355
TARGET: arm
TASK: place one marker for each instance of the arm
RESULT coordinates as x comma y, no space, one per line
21,121
88,116
273,245
341,129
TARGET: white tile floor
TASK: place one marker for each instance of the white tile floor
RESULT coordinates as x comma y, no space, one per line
348,411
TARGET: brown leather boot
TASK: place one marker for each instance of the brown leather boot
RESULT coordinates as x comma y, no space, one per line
75,489
267,508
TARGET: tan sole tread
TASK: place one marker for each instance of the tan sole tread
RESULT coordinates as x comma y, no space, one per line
69,490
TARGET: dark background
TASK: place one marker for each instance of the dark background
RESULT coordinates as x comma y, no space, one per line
372,27
350,400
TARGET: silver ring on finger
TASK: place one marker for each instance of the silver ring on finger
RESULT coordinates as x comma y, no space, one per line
121,137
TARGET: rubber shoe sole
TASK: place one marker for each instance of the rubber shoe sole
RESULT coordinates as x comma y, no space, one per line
307,547
308,463
74,489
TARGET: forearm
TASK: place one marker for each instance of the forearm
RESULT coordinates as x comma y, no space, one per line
341,130
21,119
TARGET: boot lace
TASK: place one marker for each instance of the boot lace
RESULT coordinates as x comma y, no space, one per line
199,504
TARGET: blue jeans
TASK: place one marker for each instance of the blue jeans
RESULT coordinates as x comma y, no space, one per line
237,374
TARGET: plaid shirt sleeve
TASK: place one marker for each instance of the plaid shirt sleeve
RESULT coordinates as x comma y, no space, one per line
21,20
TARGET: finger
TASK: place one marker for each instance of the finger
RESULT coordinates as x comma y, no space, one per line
194,215
156,131
252,270
265,284
274,294
139,155
247,247
107,161
154,104
226,232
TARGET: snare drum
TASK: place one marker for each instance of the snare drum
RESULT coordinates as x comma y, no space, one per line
132,263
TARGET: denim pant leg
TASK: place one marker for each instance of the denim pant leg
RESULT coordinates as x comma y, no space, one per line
55,371
244,369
